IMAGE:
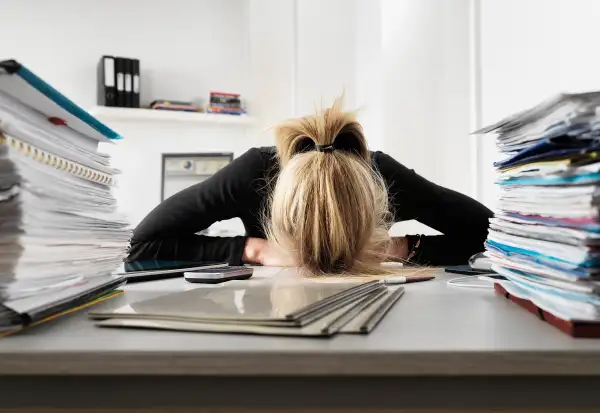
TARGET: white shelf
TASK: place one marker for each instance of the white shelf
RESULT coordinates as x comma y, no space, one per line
112,114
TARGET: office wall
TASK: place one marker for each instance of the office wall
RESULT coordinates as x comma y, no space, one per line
426,91
269,50
403,63
368,70
325,48
530,50
271,43
302,56
186,47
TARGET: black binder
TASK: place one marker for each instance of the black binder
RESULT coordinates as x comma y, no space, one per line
107,91
120,76
128,83
136,83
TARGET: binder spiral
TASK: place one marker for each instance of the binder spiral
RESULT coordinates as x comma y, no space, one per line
57,162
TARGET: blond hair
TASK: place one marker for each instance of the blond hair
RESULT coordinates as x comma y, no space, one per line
329,209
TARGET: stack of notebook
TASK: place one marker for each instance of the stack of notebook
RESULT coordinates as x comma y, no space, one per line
545,236
60,234
290,308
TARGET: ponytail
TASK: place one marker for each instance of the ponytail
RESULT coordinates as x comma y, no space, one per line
329,209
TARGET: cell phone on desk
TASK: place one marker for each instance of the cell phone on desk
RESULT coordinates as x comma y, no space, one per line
152,270
218,275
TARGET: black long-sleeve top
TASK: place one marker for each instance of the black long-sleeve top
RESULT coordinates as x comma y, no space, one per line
241,190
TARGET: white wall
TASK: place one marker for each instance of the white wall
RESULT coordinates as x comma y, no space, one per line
282,55
530,50
302,55
271,43
426,88
139,157
368,70
186,47
325,48
404,63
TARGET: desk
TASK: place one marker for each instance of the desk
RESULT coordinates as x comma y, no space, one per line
440,346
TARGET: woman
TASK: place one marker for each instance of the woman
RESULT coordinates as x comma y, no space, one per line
319,200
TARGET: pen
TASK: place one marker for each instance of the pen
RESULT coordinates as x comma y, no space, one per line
406,280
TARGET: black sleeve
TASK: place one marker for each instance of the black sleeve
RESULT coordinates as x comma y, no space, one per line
168,232
462,220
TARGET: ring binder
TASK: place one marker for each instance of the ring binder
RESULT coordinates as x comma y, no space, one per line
71,167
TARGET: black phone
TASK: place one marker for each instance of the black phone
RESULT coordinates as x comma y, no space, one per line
467,270
218,275
151,270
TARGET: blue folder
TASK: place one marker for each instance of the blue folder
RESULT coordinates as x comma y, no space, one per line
579,269
584,179
555,148
22,84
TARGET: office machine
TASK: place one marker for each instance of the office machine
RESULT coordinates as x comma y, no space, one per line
182,170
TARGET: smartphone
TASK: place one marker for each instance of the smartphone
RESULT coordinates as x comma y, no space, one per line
152,270
218,275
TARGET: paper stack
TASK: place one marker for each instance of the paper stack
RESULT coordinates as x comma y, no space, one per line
290,308
60,234
545,236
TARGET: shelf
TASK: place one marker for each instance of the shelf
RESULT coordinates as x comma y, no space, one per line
112,114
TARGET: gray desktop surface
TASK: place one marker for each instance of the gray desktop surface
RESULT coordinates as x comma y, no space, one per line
434,329
439,347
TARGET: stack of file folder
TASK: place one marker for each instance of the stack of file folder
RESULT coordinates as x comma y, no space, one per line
288,308
545,236
61,236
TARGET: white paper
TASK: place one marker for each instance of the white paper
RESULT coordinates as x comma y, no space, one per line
57,228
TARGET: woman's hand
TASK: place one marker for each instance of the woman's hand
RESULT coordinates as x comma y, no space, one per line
258,251
399,249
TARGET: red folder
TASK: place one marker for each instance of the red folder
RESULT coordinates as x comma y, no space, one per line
581,329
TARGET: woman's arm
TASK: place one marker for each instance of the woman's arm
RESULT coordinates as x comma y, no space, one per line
462,220
168,232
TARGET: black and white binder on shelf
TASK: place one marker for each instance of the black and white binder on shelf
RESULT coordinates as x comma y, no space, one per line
107,91
120,81
136,83
128,83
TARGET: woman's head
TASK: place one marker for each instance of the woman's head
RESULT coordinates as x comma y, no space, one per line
329,209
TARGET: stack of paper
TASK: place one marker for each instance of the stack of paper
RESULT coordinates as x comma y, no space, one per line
545,236
292,308
60,234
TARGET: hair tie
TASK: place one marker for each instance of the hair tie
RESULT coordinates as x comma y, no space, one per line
325,148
